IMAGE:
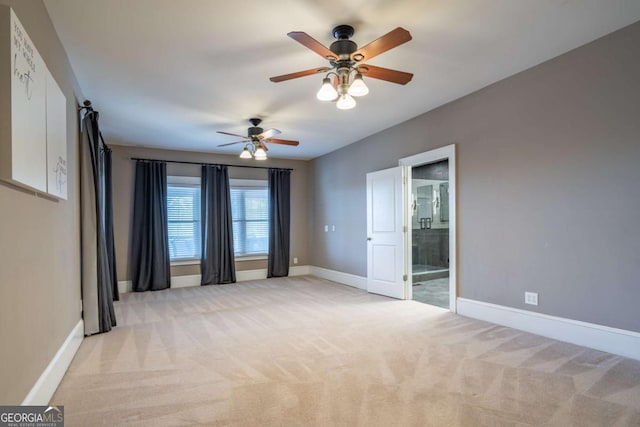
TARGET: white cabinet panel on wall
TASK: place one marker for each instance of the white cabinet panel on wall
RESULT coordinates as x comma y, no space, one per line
56,139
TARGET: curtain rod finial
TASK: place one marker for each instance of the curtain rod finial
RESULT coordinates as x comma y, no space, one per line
86,105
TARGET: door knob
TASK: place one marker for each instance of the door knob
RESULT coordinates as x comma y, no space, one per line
368,238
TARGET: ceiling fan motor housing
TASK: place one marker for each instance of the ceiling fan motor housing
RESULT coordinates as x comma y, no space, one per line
343,47
255,130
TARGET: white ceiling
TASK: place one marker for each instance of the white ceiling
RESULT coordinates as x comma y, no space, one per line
167,73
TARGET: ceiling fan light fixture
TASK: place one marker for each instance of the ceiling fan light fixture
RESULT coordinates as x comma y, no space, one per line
346,102
358,87
327,92
260,154
345,58
246,154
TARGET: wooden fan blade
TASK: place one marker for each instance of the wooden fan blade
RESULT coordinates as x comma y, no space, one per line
388,41
269,133
309,42
232,143
393,76
283,142
232,134
304,73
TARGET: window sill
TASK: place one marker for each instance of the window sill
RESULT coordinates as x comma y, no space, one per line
251,258
238,258
185,262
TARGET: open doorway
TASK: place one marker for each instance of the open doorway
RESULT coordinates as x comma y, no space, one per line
430,215
430,233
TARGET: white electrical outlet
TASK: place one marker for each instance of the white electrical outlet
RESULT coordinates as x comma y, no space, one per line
531,298
295,259
326,228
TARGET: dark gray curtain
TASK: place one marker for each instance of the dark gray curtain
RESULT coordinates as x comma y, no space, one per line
217,264
150,268
94,149
279,220
111,243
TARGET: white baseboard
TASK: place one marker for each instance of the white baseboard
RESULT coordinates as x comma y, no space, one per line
612,340
340,277
185,281
125,286
43,389
244,275
300,270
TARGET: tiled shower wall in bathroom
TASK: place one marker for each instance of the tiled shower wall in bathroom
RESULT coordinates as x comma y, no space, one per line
431,247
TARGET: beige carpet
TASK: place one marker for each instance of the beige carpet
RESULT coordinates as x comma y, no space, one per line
307,352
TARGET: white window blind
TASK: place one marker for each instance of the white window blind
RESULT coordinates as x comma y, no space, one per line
250,214
183,211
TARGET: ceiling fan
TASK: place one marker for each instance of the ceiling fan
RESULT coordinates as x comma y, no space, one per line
345,59
255,140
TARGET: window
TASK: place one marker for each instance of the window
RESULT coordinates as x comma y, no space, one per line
183,212
250,214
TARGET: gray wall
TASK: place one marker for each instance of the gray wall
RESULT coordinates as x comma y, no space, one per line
123,180
548,166
39,242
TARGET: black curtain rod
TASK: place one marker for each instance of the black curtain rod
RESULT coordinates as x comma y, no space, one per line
208,164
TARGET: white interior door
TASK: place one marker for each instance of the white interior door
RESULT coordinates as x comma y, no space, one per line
443,153
385,235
